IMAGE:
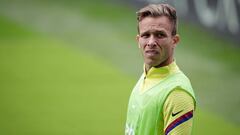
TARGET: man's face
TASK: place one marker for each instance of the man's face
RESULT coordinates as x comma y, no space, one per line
156,42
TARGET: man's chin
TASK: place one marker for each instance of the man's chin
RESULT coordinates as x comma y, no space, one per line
152,63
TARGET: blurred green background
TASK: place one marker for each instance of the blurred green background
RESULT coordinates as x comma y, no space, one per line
68,67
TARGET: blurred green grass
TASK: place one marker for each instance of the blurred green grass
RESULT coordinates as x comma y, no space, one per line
48,88
48,68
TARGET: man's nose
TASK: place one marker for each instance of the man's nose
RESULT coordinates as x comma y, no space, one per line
152,42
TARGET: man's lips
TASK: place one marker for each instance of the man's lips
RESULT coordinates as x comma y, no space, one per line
151,52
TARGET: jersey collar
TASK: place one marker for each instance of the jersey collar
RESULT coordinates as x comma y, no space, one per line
161,72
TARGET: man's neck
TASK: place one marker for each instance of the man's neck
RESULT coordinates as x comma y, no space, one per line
165,63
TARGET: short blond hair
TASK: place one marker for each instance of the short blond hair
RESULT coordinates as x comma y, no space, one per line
155,10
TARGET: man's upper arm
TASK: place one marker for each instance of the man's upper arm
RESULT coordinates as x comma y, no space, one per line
178,113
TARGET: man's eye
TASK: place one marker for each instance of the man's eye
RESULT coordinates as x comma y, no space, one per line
160,35
145,35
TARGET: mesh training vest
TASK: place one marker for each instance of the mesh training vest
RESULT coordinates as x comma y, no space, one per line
145,113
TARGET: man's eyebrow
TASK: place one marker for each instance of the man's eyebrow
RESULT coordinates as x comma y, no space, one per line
150,31
145,32
160,32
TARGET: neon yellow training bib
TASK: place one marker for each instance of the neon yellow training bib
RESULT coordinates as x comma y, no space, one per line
145,113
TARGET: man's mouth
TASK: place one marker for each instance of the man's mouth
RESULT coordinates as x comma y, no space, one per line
151,52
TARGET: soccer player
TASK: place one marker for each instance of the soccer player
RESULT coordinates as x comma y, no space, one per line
163,101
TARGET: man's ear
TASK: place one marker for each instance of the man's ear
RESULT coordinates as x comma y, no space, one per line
176,40
137,39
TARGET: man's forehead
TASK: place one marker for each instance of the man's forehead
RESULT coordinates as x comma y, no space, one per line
153,26
159,23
